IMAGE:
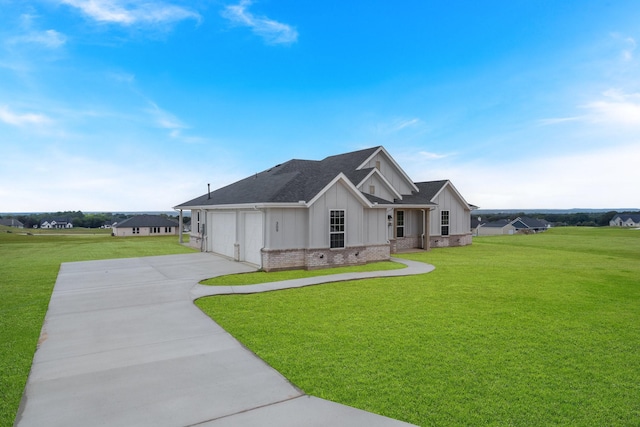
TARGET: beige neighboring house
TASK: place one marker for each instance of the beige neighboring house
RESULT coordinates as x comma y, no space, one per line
346,209
145,225
495,228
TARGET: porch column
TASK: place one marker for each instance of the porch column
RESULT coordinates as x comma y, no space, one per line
180,228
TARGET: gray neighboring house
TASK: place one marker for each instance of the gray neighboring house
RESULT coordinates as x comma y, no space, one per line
11,222
511,226
145,225
347,209
530,224
625,220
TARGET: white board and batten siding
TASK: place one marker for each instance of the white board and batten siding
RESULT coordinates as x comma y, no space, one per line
391,173
336,197
459,217
287,228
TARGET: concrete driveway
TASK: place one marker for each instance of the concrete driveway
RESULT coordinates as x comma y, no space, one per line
124,345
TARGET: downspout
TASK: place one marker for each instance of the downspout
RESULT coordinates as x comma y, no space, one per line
424,225
203,241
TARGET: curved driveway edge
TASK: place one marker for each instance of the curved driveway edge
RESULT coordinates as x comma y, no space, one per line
413,268
123,345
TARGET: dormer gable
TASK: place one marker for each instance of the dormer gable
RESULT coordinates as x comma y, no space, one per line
381,160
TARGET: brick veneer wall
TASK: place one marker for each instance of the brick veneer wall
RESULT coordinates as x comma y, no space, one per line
310,259
453,240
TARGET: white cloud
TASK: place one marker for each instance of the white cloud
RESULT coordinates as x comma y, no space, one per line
50,39
629,45
603,178
130,12
164,119
15,119
615,108
271,31
60,180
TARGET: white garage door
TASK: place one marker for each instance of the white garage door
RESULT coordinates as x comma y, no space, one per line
252,238
222,233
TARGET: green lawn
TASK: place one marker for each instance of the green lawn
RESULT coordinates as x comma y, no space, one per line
513,330
28,269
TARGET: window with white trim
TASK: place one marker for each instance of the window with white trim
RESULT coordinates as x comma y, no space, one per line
400,224
444,223
336,228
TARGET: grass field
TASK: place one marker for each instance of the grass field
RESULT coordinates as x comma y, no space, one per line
513,330
29,265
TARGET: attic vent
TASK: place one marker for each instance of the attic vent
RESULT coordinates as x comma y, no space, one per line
372,189
378,164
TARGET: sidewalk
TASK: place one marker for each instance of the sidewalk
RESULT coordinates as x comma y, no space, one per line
123,345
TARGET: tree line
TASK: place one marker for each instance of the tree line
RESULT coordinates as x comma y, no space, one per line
581,219
77,218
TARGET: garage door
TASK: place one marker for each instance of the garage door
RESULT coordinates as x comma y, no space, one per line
252,238
222,233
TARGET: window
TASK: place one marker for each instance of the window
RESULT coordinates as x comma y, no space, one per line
136,230
336,229
400,224
198,221
444,223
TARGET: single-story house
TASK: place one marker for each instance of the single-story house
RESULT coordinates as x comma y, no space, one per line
346,209
535,225
625,220
511,226
11,222
56,223
494,228
145,225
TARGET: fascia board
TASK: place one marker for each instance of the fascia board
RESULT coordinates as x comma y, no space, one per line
385,180
341,177
301,204
455,191
393,162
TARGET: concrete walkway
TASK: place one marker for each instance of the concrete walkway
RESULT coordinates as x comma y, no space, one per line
123,345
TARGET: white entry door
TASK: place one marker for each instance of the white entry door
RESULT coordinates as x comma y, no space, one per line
252,240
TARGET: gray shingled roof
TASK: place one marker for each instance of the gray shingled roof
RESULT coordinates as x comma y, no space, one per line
533,222
146,221
288,182
427,191
624,217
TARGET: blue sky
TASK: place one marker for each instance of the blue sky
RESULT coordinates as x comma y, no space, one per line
132,105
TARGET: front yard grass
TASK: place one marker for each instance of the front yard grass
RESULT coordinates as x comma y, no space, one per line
29,266
514,330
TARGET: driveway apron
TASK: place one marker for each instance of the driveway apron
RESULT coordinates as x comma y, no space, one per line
123,345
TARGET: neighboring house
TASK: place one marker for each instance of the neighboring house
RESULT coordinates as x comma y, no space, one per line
108,224
475,223
145,225
56,223
11,222
625,220
350,208
508,226
494,228
530,224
